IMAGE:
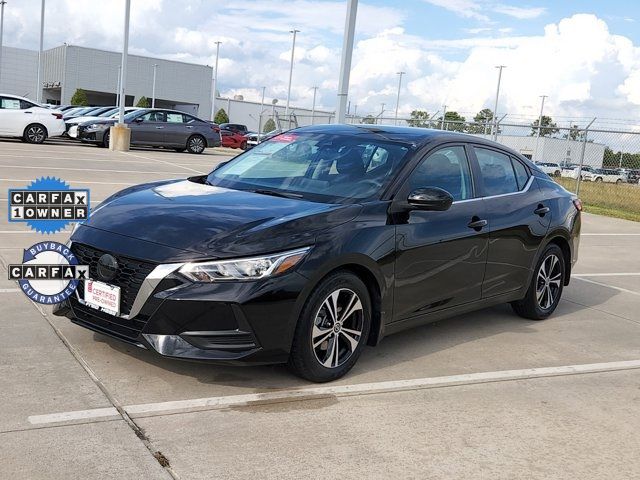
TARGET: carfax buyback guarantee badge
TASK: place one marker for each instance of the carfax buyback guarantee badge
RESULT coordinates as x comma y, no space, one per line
49,272
48,205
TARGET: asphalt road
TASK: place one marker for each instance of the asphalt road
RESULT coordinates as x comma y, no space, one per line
484,395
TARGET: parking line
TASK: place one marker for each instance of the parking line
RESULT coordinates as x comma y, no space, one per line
91,170
162,161
29,231
610,234
70,181
579,275
314,393
9,290
620,289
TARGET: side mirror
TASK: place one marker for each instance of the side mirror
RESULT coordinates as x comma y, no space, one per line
138,120
430,198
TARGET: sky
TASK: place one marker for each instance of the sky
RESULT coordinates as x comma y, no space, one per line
585,55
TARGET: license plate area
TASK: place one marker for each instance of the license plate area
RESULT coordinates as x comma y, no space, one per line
102,296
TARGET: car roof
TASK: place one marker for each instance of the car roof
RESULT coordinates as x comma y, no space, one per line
17,97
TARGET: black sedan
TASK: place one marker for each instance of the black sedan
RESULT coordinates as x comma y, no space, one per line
323,240
156,128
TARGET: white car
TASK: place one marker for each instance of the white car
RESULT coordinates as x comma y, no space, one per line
552,169
572,172
606,175
72,124
22,118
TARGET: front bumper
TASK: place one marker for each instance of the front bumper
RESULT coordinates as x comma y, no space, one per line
237,322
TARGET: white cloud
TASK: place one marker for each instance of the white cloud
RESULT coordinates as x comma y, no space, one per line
463,8
521,13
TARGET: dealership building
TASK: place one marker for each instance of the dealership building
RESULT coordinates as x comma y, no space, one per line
179,85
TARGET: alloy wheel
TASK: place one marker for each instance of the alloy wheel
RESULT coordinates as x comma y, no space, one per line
337,328
548,282
196,144
35,134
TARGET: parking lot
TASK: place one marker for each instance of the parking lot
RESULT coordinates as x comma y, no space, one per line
484,395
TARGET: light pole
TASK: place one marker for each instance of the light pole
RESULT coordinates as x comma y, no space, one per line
345,61
123,67
215,82
261,112
153,90
495,105
2,4
313,106
381,112
400,74
543,97
293,51
444,112
39,77
118,85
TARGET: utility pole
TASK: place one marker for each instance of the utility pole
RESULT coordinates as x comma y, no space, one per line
400,74
495,105
215,82
620,165
313,106
2,4
39,78
345,61
444,112
153,90
293,51
261,111
543,97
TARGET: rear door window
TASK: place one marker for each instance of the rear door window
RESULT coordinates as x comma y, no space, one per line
497,172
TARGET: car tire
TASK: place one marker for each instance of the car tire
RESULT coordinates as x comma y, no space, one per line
325,347
545,289
598,180
243,146
35,133
105,139
196,144
557,173
179,150
618,181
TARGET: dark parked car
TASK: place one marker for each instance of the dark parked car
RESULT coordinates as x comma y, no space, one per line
156,127
322,240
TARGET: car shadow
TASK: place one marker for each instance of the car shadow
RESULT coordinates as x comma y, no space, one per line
387,361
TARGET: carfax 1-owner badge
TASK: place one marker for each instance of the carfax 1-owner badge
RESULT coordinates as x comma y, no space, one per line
49,272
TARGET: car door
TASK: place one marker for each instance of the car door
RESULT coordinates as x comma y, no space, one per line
440,255
177,130
148,129
518,219
15,115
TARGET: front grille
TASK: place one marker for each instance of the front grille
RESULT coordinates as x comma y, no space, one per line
124,329
129,277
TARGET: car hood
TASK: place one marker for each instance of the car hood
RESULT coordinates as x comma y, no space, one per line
212,221
84,119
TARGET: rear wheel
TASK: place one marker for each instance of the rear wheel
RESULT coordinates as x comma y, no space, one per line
243,146
332,329
619,181
196,144
35,133
598,179
105,139
546,286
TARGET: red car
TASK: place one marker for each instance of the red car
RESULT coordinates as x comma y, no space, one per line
233,139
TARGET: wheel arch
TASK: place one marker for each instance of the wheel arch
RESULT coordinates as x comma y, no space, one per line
560,239
46,130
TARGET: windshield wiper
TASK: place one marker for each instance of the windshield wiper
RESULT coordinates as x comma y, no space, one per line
275,193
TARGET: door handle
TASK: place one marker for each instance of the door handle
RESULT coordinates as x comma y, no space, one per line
189,126
541,210
477,224
158,128
28,113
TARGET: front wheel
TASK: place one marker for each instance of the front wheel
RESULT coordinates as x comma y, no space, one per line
619,181
35,133
196,144
105,139
598,180
332,329
546,286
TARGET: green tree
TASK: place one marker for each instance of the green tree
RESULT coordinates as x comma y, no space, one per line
482,122
453,121
221,117
419,118
369,120
80,98
549,128
144,102
269,126
574,133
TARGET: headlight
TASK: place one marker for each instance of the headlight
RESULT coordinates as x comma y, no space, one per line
98,126
244,268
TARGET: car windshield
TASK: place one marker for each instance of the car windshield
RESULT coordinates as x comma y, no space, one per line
109,112
315,166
